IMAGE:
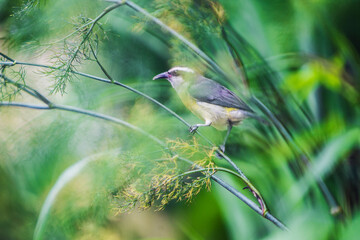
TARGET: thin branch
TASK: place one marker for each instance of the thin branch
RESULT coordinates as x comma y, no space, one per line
6,57
251,204
24,105
84,112
100,65
28,90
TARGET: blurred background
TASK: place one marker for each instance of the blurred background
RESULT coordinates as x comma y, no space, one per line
62,174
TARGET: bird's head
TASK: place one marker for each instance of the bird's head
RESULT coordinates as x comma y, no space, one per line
177,75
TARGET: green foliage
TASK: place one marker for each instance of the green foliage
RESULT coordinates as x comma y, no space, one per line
65,174
8,91
166,180
26,8
77,47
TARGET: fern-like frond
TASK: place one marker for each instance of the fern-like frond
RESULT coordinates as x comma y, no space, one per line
9,91
74,51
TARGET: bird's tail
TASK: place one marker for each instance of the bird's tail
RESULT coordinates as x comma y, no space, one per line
257,117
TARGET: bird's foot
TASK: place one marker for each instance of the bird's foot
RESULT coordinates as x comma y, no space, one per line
222,148
193,129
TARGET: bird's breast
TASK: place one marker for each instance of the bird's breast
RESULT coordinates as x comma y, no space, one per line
219,116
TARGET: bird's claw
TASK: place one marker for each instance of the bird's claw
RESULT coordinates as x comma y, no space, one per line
193,129
222,148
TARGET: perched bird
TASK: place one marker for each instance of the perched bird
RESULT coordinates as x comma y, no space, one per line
207,99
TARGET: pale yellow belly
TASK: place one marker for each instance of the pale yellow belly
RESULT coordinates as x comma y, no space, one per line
217,115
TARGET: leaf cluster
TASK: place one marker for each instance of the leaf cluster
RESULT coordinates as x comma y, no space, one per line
168,180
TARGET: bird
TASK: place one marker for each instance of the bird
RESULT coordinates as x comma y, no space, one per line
207,99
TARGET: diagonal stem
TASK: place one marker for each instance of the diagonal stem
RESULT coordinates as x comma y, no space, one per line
84,112
218,180
98,62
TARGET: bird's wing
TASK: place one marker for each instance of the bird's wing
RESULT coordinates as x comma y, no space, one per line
209,91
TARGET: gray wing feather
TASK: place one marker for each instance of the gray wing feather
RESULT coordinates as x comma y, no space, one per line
209,91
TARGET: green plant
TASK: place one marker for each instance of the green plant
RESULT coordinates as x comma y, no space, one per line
300,159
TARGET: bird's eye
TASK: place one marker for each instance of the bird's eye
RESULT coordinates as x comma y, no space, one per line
175,73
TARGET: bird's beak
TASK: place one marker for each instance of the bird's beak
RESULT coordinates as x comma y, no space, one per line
162,75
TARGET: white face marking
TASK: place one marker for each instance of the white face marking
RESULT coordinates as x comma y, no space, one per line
182,69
